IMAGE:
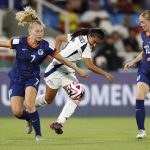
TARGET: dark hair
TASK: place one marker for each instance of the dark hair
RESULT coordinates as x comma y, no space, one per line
95,32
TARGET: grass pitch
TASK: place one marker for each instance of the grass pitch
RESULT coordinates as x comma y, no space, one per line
79,134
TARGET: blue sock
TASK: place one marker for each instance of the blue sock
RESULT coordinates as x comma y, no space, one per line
140,114
25,116
35,120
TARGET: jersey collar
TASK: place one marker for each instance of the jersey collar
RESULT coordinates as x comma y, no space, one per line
148,34
33,45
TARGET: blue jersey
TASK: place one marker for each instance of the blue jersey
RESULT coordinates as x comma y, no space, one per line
145,63
29,58
26,69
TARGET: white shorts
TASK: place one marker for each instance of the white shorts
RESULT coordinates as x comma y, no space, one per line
58,79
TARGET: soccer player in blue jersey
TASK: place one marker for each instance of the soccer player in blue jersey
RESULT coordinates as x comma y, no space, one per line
143,75
25,74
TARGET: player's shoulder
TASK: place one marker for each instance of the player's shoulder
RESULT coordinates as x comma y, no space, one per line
19,40
44,42
47,45
80,40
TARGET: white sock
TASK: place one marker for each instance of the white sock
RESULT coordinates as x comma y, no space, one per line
67,111
40,101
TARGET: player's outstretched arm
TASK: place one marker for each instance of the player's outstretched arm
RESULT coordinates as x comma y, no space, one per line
89,64
63,60
5,43
134,61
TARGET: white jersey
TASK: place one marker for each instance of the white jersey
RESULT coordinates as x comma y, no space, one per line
75,50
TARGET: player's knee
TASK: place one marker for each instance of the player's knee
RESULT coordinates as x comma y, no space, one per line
30,107
49,98
76,91
17,113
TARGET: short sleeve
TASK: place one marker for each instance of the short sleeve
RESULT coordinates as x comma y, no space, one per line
52,51
69,37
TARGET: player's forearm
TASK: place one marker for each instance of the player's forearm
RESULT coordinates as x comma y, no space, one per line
66,62
95,69
89,64
138,58
5,43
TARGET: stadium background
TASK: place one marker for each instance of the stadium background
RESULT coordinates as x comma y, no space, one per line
119,19
105,119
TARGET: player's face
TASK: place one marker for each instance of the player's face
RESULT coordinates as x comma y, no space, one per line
36,32
145,24
93,41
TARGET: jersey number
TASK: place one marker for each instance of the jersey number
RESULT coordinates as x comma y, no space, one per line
33,57
37,81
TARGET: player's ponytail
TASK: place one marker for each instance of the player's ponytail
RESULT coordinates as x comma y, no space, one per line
95,32
80,32
27,16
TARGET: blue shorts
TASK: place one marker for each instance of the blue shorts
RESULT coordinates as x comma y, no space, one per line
143,78
18,86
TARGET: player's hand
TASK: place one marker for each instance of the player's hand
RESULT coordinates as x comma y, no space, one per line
109,76
128,65
83,73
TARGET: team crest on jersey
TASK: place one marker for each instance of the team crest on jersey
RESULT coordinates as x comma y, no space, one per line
40,52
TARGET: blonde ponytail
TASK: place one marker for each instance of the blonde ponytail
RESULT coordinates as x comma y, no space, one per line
27,16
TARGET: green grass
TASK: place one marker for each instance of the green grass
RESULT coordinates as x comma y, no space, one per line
79,134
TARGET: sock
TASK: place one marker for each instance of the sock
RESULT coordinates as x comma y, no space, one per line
40,101
25,116
67,111
140,114
35,120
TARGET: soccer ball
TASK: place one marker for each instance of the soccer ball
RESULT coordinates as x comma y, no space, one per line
75,91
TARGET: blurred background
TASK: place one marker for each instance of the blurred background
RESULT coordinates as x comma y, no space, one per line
119,20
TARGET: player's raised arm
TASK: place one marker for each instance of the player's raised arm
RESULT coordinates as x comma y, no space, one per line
5,43
59,40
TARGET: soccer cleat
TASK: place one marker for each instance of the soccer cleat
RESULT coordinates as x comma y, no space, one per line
28,127
57,127
141,134
38,138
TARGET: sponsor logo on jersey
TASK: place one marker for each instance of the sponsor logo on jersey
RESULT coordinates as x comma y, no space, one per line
24,49
40,52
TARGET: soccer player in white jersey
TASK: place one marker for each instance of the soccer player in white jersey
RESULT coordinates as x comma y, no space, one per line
57,75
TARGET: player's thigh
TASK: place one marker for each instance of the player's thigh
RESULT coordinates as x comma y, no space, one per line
53,83
17,105
68,79
50,94
141,90
30,96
